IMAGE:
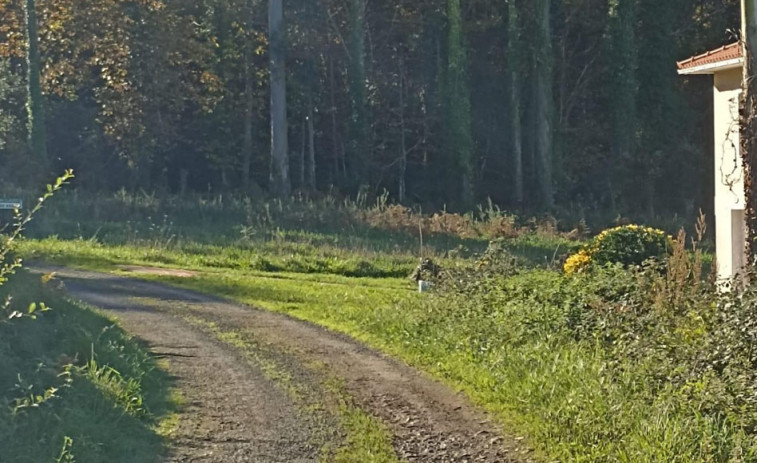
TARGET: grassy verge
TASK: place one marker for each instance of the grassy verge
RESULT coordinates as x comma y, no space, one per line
607,366
520,342
75,387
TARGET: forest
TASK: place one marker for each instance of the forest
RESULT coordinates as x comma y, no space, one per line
538,105
377,231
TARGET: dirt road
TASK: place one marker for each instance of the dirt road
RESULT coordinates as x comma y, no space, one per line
263,387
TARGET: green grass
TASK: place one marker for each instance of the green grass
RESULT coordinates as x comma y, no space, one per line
504,347
508,338
75,387
341,237
501,343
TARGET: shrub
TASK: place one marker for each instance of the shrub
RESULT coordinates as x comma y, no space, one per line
629,245
577,262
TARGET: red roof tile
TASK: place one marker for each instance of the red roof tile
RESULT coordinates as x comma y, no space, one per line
724,53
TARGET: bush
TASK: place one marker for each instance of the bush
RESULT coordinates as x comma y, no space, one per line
629,245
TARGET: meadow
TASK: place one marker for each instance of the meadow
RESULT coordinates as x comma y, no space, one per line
638,364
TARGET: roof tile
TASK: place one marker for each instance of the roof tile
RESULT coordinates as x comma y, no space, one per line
724,53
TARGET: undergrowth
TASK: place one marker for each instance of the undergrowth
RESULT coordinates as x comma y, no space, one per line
345,237
74,386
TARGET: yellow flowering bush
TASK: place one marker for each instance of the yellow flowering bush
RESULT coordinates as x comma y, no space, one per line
577,262
628,245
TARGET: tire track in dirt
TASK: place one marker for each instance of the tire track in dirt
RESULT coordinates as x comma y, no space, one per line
232,412
236,414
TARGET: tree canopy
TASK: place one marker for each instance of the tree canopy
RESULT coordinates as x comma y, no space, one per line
538,105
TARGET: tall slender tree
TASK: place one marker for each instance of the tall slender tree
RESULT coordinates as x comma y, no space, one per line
249,99
543,103
358,128
35,103
458,117
311,166
402,174
658,100
624,87
279,176
514,103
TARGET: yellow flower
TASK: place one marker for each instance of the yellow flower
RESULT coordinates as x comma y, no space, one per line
577,262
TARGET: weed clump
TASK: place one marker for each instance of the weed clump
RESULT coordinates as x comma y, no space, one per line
427,270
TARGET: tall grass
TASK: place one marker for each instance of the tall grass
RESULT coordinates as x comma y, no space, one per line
74,386
350,238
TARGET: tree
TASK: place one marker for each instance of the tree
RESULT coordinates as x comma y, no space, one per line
434,100
310,178
402,183
359,130
543,103
10,84
624,88
249,185
279,175
514,104
749,123
35,104
660,109
458,119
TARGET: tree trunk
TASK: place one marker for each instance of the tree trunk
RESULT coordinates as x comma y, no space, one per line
335,140
249,186
279,176
543,104
514,62
748,124
37,136
249,114
624,88
459,106
403,143
303,146
183,182
311,180
358,118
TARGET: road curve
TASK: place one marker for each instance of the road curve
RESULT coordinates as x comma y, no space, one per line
234,412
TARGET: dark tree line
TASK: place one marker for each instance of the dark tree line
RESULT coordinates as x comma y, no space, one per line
537,104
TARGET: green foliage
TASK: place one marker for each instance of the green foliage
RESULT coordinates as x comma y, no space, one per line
349,238
623,363
640,365
10,101
73,381
629,245
10,233
180,104
76,386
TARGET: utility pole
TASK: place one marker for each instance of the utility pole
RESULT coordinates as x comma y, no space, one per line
748,123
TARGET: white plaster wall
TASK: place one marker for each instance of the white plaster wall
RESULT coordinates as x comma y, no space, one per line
729,178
